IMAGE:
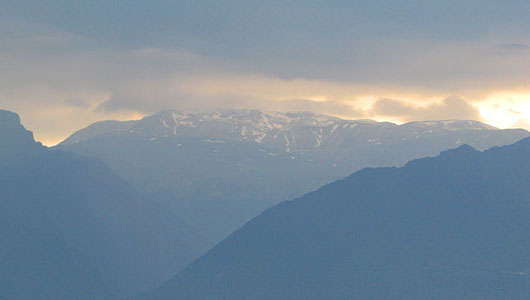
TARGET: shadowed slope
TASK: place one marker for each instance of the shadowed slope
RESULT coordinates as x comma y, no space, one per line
450,227
218,170
71,229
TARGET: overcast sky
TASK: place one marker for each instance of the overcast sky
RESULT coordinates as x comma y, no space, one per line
65,64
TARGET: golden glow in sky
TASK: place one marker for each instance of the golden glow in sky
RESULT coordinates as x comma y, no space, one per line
506,110
404,62
500,109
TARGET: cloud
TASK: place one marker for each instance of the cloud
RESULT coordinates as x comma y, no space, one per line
514,46
205,103
449,108
521,123
325,107
65,65
433,45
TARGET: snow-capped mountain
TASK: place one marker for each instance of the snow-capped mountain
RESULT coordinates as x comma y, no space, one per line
216,170
282,131
288,132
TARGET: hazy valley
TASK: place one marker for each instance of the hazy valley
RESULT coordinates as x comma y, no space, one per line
74,229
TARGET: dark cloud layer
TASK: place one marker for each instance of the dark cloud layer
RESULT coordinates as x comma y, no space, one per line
362,41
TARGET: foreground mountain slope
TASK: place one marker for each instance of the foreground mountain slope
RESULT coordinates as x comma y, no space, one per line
450,227
71,229
218,170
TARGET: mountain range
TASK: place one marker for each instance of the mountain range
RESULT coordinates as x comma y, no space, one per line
120,207
71,229
453,226
217,170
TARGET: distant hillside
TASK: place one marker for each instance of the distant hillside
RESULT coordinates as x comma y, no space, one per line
71,229
217,170
451,227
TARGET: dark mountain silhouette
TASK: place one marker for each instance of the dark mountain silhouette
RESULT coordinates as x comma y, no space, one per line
218,170
16,143
71,229
454,226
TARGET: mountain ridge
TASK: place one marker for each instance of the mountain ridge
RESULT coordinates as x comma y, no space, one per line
452,226
253,125
72,229
217,170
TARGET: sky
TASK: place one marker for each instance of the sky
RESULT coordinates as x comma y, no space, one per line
65,64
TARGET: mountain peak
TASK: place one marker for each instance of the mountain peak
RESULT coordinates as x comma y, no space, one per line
453,124
15,140
281,131
10,124
243,115
449,227
462,151
8,116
